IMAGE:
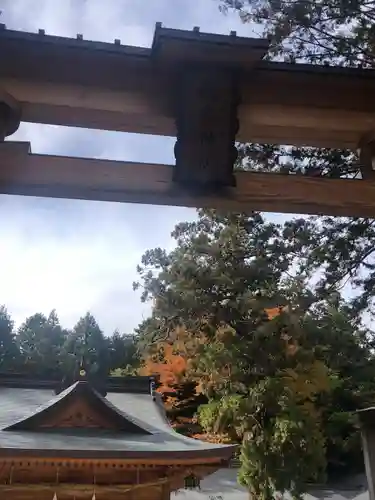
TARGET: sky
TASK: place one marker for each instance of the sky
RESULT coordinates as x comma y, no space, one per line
79,256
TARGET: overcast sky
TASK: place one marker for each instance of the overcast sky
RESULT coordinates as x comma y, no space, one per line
77,256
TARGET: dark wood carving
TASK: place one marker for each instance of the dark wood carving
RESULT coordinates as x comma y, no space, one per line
10,115
367,156
78,415
207,125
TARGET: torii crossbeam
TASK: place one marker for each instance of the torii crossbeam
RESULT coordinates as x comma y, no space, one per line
207,90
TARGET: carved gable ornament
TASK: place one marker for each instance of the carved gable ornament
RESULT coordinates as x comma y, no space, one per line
79,407
78,415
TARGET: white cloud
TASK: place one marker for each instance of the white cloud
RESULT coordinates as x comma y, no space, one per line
76,256
71,255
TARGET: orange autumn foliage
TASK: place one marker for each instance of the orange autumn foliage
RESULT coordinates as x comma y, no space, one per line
169,371
273,312
304,383
291,347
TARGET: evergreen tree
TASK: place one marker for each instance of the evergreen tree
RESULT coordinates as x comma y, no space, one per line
347,348
40,340
86,344
123,354
277,364
320,32
226,272
9,351
341,250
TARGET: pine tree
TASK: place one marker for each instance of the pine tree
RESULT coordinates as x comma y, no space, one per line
328,32
86,345
40,339
9,351
226,272
123,354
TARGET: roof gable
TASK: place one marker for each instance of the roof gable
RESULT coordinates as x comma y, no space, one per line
79,407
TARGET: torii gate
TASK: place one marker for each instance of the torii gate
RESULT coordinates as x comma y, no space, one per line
208,90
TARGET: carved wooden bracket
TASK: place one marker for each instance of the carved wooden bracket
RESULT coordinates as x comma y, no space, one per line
207,124
366,150
206,71
10,115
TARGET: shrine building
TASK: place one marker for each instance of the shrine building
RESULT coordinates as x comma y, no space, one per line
90,442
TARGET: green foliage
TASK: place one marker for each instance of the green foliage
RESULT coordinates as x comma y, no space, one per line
182,403
339,250
225,272
42,348
335,33
123,355
284,386
318,31
270,403
219,263
86,344
40,340
347,348
292,443
221,416
9,351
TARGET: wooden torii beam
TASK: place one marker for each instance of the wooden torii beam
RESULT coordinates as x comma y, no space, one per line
208,91
23,173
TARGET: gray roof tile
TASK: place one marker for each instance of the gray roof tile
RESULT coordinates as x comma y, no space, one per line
17,404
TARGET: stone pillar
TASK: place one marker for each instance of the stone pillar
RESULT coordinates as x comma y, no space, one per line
367,420
10,115
207,124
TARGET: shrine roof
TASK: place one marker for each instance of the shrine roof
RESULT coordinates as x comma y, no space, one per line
124,424
167,44
174,39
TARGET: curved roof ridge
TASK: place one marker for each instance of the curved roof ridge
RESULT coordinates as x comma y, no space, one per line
123,413
120,420
43,407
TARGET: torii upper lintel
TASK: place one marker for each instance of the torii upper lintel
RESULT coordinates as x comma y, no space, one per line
207,90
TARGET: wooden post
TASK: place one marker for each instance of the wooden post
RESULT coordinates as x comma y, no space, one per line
207,124
166,491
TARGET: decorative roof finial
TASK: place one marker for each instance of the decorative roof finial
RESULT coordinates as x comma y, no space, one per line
82,367
152,386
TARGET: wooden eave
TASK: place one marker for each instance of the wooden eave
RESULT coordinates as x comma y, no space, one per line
115,479
131,89
162,457
106,86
